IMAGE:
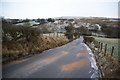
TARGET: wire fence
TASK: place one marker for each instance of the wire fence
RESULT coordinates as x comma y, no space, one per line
106,49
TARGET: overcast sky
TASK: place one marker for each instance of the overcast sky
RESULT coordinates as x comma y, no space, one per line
57,8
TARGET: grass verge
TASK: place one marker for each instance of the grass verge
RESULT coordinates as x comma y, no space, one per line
17,50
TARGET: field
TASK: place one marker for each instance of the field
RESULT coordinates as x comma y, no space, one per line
110,42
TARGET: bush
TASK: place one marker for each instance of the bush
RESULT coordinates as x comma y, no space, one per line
88,39
69,31
19,41
16,33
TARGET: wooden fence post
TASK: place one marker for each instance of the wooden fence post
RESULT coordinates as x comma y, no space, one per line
98,45
101,46
112,51
105,48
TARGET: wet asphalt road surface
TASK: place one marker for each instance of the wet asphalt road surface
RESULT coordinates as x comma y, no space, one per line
73,60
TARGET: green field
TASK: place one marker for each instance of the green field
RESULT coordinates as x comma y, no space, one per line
110,42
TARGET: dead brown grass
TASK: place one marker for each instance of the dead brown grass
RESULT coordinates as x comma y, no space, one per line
21,49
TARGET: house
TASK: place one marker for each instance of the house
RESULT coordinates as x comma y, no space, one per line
94,27
30,23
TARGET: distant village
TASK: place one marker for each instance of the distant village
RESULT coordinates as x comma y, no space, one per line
55,25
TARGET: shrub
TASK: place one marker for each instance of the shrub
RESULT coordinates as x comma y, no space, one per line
88,39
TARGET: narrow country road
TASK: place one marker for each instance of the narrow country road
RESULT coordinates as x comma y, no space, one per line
73,60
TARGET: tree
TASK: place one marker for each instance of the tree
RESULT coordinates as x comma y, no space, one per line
111,31
14,33
26,22
70,31
50,20
82,30
41,20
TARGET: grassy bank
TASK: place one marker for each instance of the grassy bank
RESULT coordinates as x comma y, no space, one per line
20,41
107,64
110,42
16,50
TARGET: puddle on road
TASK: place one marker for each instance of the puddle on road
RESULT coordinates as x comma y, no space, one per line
54,58
32,67
74,46
62,46
18,61
84,49
75,65
82,54
65,52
